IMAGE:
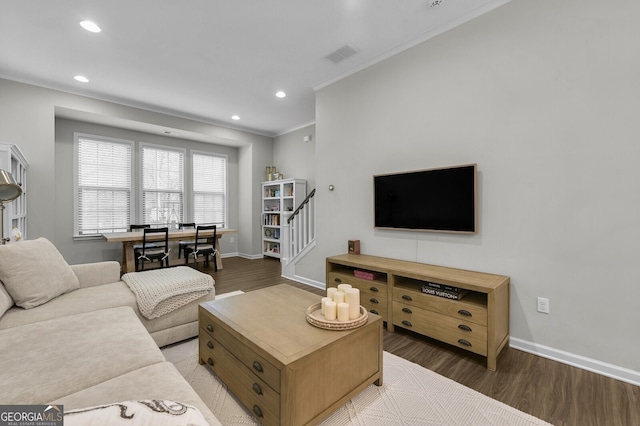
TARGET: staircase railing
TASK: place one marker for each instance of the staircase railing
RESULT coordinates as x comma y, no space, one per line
300,230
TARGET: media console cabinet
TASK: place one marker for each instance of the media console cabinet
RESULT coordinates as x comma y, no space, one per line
478,322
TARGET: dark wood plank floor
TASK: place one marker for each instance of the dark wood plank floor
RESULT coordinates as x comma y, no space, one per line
552,391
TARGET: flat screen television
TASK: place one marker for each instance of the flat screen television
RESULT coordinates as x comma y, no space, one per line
438,200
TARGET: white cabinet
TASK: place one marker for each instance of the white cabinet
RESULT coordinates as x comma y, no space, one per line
278,196
15,212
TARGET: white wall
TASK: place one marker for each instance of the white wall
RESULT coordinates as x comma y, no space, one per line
296,158
544,97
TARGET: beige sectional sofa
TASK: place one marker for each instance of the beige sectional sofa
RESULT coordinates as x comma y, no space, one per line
84,343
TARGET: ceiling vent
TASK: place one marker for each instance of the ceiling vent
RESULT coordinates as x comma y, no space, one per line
341,54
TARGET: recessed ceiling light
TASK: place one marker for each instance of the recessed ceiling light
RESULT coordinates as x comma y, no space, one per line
281,94
235,117
81,78
90,26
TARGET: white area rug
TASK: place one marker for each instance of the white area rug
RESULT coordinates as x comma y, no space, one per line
410,395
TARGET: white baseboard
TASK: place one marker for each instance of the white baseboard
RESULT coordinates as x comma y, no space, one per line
595,366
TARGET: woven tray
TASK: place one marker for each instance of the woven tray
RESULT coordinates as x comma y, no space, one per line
315,318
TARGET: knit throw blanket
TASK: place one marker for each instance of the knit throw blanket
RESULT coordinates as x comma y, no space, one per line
160,291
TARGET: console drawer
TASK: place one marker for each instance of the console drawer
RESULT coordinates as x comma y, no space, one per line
463,334
243,383
466,309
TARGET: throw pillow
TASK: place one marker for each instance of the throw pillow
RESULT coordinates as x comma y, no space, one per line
34,272
6,301
138,413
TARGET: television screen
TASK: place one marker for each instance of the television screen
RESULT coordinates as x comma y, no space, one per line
442,199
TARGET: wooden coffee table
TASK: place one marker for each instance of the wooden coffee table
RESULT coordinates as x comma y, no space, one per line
283,369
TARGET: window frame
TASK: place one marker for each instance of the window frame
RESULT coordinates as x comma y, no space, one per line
140,174
76,179
225,190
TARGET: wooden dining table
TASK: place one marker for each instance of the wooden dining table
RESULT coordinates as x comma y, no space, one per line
128,239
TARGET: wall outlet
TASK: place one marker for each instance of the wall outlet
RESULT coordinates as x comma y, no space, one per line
543,305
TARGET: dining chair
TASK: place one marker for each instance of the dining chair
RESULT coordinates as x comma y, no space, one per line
203,246
137,227
160,250
183,243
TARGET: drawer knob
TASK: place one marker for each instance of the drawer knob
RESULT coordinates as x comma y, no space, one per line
407,323
338,280
373,311
210,344
373,300
464,342
464,327
210,361
464,312
407,297
209,327
374,289
257,366
257,389
407,311
257,411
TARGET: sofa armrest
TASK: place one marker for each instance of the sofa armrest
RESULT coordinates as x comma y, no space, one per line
97,273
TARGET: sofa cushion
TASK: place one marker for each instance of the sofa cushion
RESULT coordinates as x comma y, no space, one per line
141,413
6,301
34,272
157,381
79,301
49,359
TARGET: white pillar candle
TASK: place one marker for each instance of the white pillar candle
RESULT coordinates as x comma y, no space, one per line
338,297
343,312
331,291
330,310
352,297
325,300
343,287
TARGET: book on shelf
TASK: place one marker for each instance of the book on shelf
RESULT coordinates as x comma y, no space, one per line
442,286
447,294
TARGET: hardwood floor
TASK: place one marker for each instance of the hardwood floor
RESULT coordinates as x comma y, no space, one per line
552,391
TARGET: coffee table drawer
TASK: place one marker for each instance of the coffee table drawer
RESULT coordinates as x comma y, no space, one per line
254,393
258,365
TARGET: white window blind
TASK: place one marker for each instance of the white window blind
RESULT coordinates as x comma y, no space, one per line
209,174
162,185
103,185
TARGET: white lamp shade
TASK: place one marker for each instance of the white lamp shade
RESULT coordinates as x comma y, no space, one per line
9,189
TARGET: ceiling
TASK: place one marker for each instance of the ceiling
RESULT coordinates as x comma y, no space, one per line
211,59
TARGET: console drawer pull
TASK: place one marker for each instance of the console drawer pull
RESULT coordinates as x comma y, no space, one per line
407,323
210,361
257,366
406,310
338,279
407,297
464,312
464,342
464,327
209,327
257,411
257,389
210,344
373,300
374,289
373,311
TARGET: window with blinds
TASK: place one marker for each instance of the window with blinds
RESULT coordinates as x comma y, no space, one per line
162,185
103,185
209,173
